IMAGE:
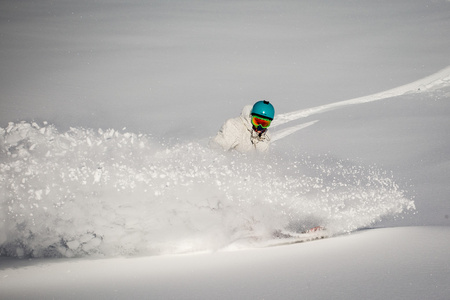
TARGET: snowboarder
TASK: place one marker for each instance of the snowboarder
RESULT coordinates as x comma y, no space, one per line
248,132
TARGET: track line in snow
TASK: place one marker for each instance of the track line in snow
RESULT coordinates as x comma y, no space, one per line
279,134
441,78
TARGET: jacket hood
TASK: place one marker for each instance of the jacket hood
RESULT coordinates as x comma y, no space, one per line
245,116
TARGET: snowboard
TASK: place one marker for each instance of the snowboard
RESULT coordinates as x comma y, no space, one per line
286,238
282,237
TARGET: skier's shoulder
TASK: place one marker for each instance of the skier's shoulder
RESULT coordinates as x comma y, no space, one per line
239,124
233,124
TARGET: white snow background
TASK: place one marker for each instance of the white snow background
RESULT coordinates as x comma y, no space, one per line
108,187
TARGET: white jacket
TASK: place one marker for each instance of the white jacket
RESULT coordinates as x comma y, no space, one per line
238,134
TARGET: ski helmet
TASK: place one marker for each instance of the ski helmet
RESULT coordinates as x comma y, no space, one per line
263,109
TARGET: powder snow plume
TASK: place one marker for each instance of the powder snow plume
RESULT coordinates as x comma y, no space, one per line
107,193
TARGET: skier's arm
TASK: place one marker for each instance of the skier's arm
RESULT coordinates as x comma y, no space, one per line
226,137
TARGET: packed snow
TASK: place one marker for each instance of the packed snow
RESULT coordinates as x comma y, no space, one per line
110,191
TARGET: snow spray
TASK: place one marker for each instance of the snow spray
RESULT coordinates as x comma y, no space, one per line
108,193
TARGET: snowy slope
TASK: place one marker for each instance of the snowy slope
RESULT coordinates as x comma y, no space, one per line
389,263
122,202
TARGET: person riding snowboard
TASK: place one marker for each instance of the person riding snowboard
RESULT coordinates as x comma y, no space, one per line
248,132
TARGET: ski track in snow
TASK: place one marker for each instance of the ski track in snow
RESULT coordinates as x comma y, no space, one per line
436,80
278,135
106,192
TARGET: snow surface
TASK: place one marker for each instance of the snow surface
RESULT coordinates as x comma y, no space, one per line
106,109
363,265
